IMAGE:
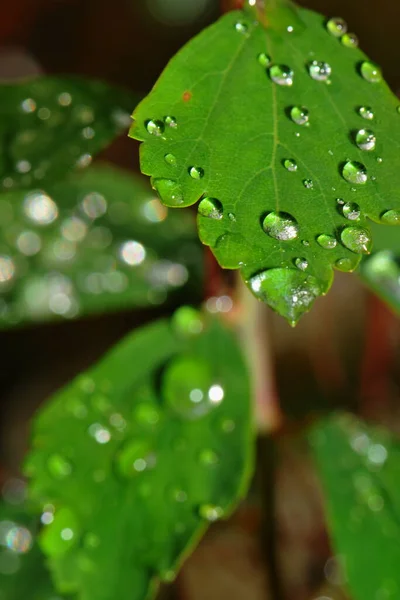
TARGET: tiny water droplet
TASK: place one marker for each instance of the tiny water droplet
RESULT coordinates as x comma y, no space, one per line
168,576
187,322
290,164
264,59
379,160
241,27
328,242
366,112
58,466
320,71
299,115
354,172
171,122
155,127
336,26
134,458
357,240
305,243
208,457
350,40
170,159
169,191
351,211
365,139
391,217
196,172
211,208
371,72
282,75
281,226
301,263
308,183
211,512
232,217
344,264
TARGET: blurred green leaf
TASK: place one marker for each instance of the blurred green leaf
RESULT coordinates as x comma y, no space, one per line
51,125
94,243
139,454
288,154
360,474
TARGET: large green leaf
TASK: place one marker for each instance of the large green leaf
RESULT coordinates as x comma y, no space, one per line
359,469
138,454
51,125
267,128
97,242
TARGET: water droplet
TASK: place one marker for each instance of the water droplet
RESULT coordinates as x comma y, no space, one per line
189,388
366,112
147,414
241,27
301,263
18,539
196,172
320,71
305,243
290,164
58,466
132,253
328,242
354,172
61,534
170,159
357,240
350,40
336,26
345,265
40,208
155,127
101,434
211,512
167,576
365,139
299,115
282,75
135,457
94,205
379,160
7,268
281,226
351,211
211,208
171,122
391,217
187,322
371,72
28,105
308,183
208,457
169,191
264,59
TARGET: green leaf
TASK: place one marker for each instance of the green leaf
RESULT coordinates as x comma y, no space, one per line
359,470
271,142
94,243
138,454
51,125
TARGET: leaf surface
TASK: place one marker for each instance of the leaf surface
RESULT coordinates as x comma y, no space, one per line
138,454
94,243
284,183
359,470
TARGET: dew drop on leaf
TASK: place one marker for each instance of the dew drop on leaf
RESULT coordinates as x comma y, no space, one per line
301,263
354,172
264,59
241,27
299,115
208,457
281,226
211,208
351,211
344,264
133,459
371,72
336,26
320,71
58,466
61,534
187,322
308,183
170,159
282,75
155,127
350,40
171,122
328,242
290,164
196,172
169,191
391,217
211,512
366,112
365,139
357,240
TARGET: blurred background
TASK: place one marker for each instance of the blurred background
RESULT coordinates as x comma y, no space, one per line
345,353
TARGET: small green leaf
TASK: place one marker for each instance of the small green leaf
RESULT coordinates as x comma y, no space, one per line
289,139
51,125
94,243
138,454
359,469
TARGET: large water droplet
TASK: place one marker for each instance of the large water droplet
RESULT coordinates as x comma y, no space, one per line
357,240
61,534
290,164
301,263
336,26
189,387
281,226
350,40
320,71
135,457
169,191
366,112
211,512
299,115
264,59
391,217
371,72
328,242
365,139
155,127
58,466
187,322
351,211
196,172
282,75
211,208
354,172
